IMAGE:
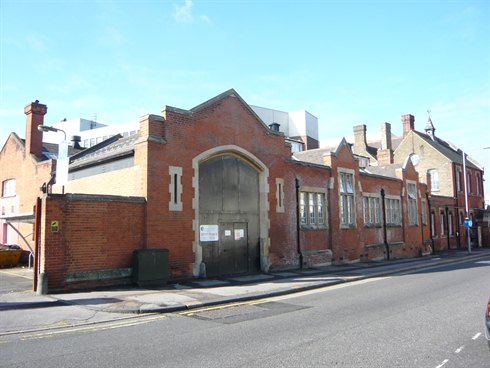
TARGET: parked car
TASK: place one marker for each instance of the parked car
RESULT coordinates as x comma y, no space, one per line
487,323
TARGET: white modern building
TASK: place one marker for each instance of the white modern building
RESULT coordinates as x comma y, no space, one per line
300,128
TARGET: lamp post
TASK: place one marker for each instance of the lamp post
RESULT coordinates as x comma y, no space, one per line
62,159
467,221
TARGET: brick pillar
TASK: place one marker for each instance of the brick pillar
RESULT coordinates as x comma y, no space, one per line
408,121
34,117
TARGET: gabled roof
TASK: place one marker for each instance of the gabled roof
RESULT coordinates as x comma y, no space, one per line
230,93
450,151
50,150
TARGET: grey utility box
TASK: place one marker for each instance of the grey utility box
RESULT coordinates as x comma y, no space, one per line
150,267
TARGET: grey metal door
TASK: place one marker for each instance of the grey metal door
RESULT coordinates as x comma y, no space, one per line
229,197
233,248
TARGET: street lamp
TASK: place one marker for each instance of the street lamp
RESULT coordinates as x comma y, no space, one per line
62,159
45,128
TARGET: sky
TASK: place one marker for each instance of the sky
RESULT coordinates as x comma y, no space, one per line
346,62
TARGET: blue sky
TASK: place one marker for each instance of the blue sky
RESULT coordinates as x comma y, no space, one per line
346,62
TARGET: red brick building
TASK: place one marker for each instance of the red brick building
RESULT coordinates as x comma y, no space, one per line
27,168
222,192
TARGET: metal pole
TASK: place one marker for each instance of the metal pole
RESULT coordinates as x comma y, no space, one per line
466,201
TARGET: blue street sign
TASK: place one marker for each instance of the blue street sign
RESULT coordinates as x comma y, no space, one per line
468,222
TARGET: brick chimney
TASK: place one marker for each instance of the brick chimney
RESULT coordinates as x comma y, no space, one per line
408,121
152,128
360,142
386,136
384,155
34,117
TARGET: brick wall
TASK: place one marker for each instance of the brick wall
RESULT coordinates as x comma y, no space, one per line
94,240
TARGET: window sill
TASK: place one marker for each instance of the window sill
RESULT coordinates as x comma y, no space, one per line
314,227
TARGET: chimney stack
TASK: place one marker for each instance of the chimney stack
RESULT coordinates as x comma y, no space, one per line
386,136
384,155
34,117
408,121
360,142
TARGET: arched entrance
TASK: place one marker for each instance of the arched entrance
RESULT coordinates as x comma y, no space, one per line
229,215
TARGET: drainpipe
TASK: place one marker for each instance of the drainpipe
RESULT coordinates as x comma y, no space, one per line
447,229
298,226
456,203
421,228
385,237
430,223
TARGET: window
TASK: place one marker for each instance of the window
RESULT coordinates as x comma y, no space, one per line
424,212
461,218
8,188
175,188
346,187
392,211
302,208
279,195
477,183
441,221
412,203
468,182
433,224
458,179
434,180
450,224
312,208
371,211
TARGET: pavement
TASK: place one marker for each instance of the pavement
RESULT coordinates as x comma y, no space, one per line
23,310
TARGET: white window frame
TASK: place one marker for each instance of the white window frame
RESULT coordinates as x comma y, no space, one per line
459,186
346,180
412,203
441,223
372,212
9,188
393,210
423,203
477,183
434,180
450,223
312,205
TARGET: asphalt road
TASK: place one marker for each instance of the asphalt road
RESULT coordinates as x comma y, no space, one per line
432,318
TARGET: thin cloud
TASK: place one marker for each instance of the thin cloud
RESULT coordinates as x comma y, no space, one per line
184,13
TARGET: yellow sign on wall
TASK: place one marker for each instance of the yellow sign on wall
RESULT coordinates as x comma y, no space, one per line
55,226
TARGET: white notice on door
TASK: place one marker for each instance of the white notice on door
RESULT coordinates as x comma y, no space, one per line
227,232
239,233
208,233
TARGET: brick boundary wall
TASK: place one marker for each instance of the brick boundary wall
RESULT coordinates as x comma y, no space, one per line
88,241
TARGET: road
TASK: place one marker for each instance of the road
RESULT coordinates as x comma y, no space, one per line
431,318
